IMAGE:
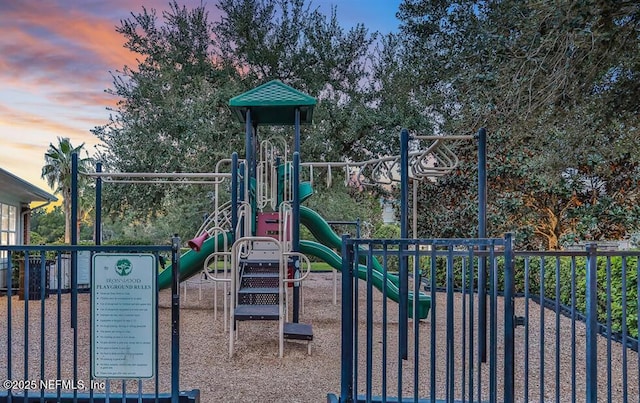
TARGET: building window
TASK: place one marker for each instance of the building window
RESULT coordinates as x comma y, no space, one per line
8,236
8,224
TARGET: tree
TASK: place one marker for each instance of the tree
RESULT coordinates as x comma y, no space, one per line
340,66
288,41
172,114
57,173
349,70
189,68
48,225
556,84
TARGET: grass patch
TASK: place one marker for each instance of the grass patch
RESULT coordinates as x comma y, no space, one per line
320,266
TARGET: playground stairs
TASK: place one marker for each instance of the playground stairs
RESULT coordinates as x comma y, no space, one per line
258,293
259,284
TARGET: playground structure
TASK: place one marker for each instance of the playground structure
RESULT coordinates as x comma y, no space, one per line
251,244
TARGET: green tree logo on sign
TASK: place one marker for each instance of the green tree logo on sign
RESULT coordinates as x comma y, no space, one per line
123,267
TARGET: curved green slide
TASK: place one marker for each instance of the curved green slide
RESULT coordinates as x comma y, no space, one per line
191,261
322,231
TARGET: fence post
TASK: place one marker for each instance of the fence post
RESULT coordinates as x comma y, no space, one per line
592,324
74,241
346,386
98,218
509,319
482,233
403,286
175,318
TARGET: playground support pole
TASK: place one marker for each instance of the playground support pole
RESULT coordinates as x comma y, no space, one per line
248,143
295,216
255,154
295,235
98,220
243,171
296,128
403,286
482,233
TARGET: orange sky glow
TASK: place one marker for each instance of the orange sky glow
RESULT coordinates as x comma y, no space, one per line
55,62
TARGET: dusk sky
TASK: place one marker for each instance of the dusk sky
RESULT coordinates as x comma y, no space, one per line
55,59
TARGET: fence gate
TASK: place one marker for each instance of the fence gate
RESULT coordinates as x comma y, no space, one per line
440,341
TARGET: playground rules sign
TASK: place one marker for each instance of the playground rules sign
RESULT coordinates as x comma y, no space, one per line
123,316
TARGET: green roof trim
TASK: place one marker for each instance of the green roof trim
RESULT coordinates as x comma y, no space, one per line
273,103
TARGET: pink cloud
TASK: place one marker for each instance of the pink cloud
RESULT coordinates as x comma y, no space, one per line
85,97
52,44
46,44
34,122
55,59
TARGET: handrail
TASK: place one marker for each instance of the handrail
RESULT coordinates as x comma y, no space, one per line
225,280
215,255
262,175
267,175
308,263
244,217
298,280
285,212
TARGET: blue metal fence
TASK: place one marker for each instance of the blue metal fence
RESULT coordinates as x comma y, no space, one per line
45,332
442,360
578,312
561,326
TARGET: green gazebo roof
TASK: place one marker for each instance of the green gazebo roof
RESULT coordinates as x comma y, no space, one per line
273,103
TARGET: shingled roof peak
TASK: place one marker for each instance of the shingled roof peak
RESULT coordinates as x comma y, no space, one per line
273,103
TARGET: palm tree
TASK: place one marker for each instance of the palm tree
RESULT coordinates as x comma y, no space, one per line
57,173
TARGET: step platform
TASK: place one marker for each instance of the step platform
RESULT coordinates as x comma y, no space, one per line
299,331
256,312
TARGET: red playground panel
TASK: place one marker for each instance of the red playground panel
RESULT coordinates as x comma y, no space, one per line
269,225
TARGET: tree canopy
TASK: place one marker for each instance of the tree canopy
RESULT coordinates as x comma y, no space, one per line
556,85
173,116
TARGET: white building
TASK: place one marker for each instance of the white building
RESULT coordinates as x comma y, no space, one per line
16,199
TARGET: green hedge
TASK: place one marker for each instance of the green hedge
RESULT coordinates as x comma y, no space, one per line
564,275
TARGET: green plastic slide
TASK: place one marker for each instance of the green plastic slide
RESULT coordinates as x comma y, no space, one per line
322,231
191,262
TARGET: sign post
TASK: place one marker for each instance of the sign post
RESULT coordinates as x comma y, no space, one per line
123,316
